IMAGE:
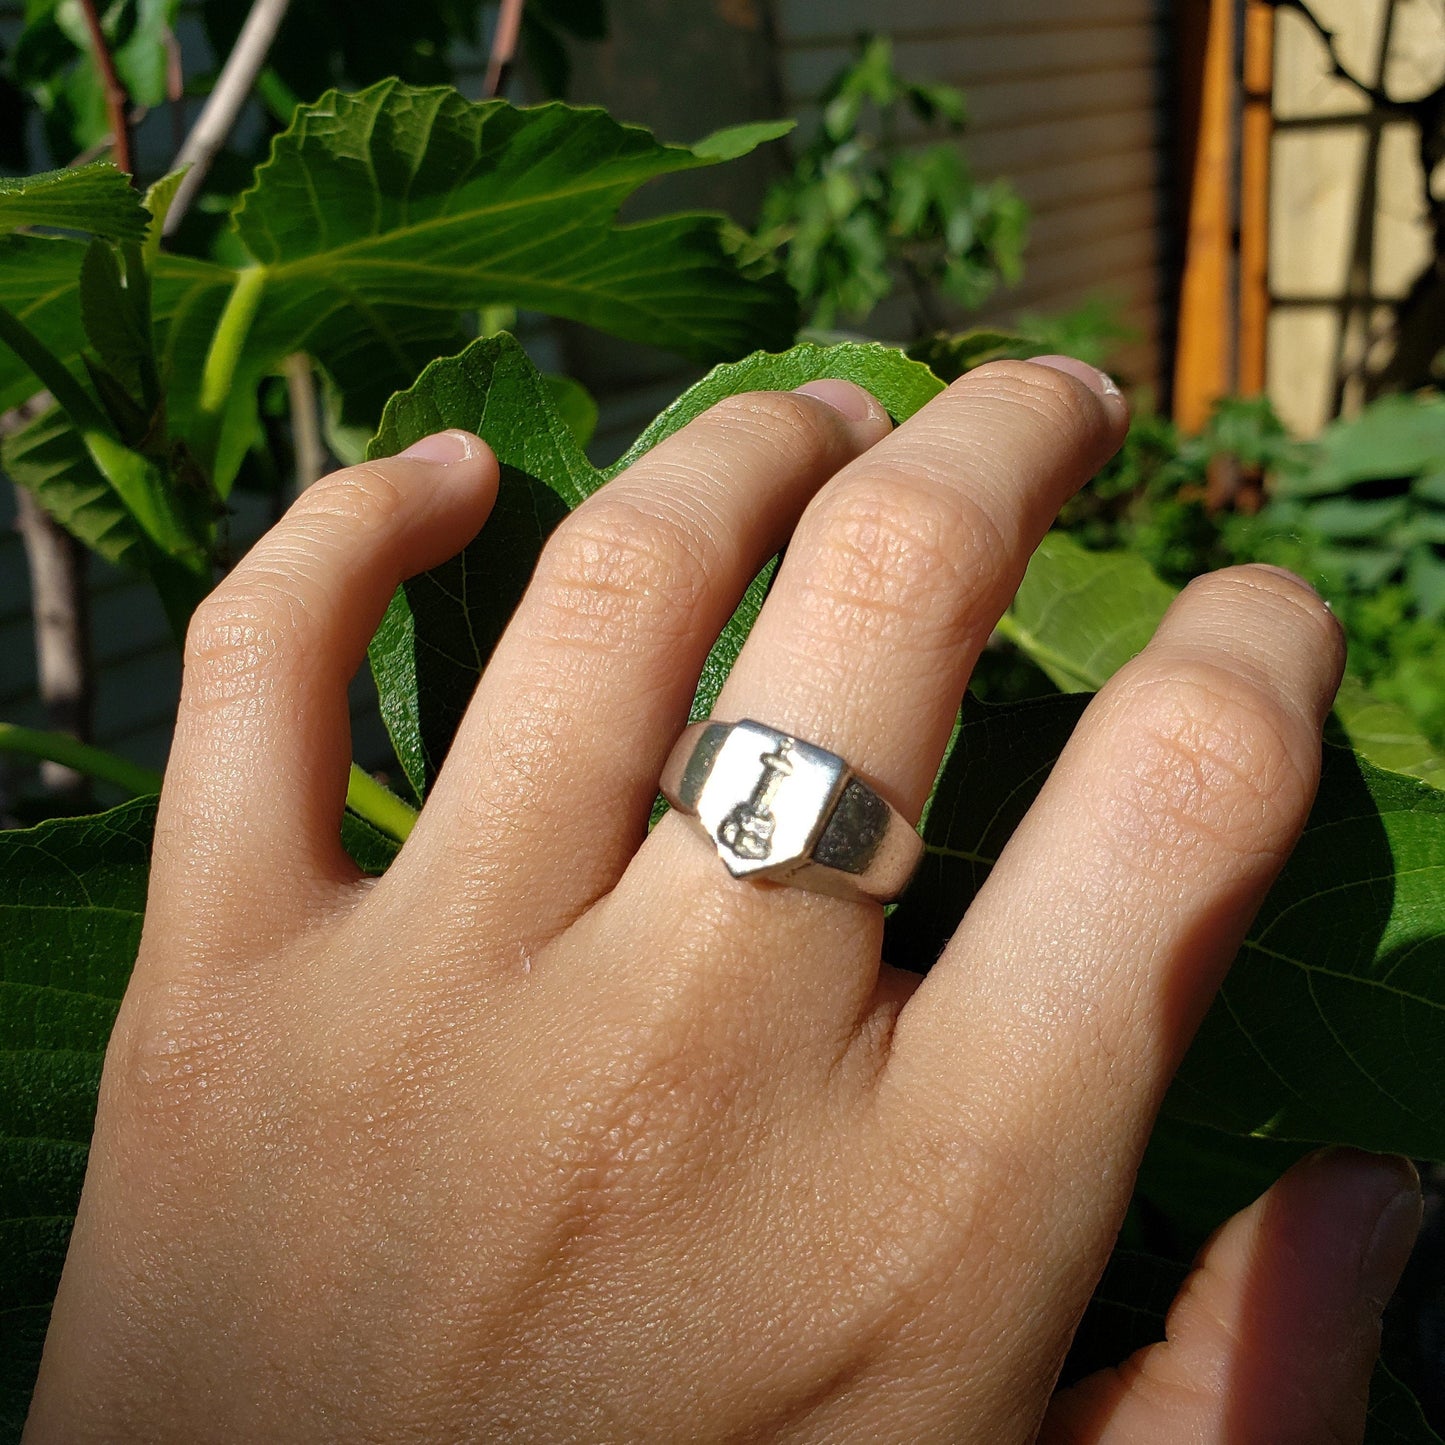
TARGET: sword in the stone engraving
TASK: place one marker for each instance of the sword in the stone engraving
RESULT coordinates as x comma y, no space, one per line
747,831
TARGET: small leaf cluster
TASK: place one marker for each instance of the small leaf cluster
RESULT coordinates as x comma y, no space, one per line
52,67
1362,514
866,206
1370,502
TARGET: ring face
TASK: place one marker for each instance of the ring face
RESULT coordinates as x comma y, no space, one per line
766,799
778,808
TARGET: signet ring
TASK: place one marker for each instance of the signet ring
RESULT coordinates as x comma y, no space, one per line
781,809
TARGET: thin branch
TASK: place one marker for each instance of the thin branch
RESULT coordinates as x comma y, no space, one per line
117,101
504,46
306,443
224,103
175,89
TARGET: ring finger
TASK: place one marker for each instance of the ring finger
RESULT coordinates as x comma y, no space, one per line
894,579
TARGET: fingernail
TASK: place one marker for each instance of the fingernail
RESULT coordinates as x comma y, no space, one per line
1099,382
442,447
1288,577
844,396
1393,1238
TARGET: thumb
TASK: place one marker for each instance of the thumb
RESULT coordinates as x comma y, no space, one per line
1275,1333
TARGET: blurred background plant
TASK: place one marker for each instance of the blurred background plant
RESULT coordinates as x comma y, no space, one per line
862,213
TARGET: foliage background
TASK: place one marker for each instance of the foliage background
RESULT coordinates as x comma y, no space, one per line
1307,1043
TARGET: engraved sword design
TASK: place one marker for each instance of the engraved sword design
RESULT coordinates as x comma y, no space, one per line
747,831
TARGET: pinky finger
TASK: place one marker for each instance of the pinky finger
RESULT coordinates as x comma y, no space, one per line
1274,1335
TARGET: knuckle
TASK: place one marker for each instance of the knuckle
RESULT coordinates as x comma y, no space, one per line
173,1056
1059,401
941,1227
613,565
773,420
364,496
900,548
236,638
1213,760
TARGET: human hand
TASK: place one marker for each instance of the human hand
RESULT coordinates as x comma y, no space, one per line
558,1132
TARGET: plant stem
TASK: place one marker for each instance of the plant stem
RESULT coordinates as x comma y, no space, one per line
224,103
93,762
117,101
367,798
380,807
306,443
218,375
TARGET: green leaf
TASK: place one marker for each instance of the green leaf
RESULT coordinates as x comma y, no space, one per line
48,458
740,140
404,197
1192,1178
1397,436
1395,1416
97,199
1331,1025
158,201
382,216
369,848
441,627
141,58
71,897
115,317
575,405
1080,615
901,385
950,354
1384,733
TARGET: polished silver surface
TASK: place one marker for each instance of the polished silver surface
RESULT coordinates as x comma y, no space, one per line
778,808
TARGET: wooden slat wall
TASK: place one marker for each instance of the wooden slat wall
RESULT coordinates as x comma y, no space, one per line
1064,101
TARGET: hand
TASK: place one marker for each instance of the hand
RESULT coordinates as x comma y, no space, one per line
557,1132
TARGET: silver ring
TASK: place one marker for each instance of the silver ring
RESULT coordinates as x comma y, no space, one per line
779,808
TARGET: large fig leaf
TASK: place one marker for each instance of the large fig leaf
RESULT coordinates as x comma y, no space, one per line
97,199
441,627
381,215
71,897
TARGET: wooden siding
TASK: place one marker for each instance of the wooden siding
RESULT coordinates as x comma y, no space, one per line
1063,101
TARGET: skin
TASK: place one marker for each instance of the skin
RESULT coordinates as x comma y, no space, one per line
559,1133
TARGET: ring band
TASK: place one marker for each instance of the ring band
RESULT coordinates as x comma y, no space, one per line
779,808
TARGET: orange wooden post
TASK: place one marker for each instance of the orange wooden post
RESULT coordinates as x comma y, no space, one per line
1257,131
1203,363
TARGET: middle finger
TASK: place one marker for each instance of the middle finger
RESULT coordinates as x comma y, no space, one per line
894,579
